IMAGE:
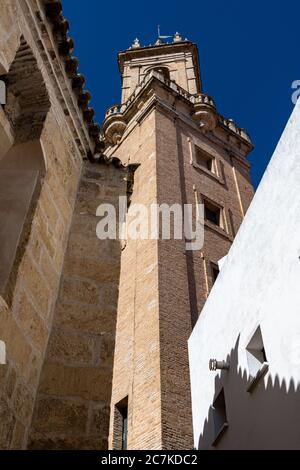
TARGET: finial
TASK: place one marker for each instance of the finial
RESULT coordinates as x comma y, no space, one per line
136,44
177,37
159,42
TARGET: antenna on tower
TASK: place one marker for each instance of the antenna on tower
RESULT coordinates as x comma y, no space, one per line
160,36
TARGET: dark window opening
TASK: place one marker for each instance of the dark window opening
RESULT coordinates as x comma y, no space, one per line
257,359
2,91
256,353
219,416
215,272
164,71
125,430
120,432
212,213
264,355
204,160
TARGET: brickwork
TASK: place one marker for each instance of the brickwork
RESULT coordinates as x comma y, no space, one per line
137,339
120,425
163,287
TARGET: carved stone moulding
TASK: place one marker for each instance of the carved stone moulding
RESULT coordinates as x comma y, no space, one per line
114,125
114,131
205,112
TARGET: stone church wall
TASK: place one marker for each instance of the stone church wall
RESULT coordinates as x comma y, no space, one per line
41,109
72,407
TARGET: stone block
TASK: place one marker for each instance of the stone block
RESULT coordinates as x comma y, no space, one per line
33,369
80,291
87,383
106,350
18,438
11,382
40,442
32,325
92,269
7,423
17,347
100,420
70,348
85,318
36,284
23,402
55,415
49,271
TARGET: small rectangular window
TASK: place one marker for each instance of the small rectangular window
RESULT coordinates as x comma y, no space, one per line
120,431
212,213
214,272
219,417
257,359
204,160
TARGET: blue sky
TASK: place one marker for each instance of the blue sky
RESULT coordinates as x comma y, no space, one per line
248,51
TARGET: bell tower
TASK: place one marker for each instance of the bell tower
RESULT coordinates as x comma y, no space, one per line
178,61
185,152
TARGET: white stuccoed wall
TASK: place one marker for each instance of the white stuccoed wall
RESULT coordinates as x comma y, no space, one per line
259,284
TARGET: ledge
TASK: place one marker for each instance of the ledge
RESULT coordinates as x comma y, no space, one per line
212,175
172,86
220,434
63,47
218,230
259,375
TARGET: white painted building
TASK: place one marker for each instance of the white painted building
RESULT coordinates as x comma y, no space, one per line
252,321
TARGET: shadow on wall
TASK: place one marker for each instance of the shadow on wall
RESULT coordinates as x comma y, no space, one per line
22,162
262,417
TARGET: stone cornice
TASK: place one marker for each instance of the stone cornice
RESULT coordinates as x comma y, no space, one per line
139,104
49,29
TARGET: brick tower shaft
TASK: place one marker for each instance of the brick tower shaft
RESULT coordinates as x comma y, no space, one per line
186,153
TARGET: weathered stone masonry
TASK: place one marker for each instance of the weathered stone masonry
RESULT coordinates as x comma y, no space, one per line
91,326
46,132
72,406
